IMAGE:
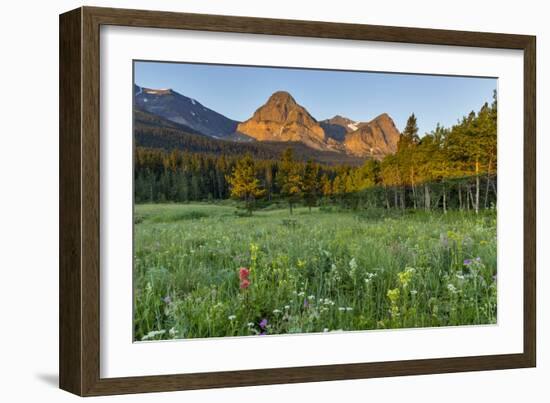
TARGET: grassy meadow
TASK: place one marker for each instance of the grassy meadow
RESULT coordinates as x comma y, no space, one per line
322,270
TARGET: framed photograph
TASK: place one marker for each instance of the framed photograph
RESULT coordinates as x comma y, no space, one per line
249,201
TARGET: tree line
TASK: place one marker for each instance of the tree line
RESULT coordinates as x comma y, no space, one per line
449,168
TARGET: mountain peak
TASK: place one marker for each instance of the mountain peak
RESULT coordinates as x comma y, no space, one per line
383,116
281,97
281,118
376,138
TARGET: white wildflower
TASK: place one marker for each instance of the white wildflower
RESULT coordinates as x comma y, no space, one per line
152,334
452,289
353,264
232,317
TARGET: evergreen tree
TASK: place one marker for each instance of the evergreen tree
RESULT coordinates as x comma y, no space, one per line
311,186
326,185
289,178
244,184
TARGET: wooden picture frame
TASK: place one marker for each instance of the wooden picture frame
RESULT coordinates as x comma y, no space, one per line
79,278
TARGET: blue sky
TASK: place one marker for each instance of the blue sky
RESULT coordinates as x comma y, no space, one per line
237,91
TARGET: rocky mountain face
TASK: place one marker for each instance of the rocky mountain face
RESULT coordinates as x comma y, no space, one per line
376,138
280,119
338,126
185,111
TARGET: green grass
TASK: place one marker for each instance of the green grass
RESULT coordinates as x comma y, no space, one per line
328,270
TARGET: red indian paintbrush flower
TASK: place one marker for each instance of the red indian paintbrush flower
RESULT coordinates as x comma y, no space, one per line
243,273
243,276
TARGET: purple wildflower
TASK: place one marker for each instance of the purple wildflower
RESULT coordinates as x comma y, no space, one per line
263,323
467,262
262,333
306,303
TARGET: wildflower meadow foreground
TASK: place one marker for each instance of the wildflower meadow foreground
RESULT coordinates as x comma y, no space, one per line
203,271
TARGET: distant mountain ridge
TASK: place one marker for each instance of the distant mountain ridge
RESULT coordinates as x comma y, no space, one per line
152,131
281,119
180,109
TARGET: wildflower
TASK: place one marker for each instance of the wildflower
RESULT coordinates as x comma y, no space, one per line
452,289
232,317
325,330
342,308
263,323
244,273
263,333
287,307
414,292
301,294
467,262
301,263
167,300
353,264
243,276
460,276
369,277
173,332
406,276
349,308
306,303
250,324
393,295
152,334
276,311
311,297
